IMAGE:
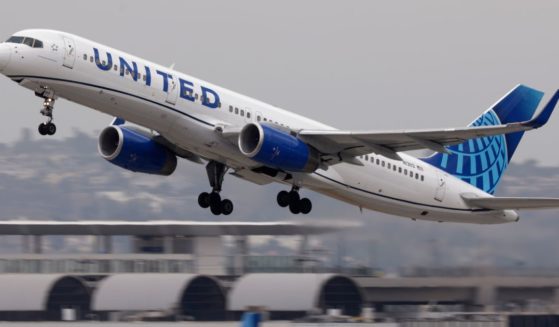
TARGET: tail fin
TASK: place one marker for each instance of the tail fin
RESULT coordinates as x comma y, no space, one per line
482,161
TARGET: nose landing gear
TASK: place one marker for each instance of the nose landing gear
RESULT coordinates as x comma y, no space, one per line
292,200
48,128
213,200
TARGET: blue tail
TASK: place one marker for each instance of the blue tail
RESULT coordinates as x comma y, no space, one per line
482,161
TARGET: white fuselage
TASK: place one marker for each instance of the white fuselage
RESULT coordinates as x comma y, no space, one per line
66,64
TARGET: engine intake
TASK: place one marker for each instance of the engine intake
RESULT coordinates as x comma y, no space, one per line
134,151
277,149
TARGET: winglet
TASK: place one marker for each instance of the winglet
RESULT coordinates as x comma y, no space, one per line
542,118
118,121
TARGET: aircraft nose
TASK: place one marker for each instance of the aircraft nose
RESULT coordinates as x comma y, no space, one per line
5,53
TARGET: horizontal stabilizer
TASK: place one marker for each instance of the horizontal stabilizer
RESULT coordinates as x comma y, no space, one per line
503,203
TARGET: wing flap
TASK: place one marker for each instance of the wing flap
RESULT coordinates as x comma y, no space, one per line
503,203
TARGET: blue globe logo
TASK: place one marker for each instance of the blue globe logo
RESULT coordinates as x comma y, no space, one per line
482,161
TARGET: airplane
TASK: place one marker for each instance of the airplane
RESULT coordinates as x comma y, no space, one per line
160,114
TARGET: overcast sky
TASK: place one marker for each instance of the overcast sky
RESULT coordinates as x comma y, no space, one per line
352,64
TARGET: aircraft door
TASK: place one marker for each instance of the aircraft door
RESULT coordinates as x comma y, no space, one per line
172,90
441,187
69,53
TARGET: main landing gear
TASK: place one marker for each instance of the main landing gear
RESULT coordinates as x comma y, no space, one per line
213,200
48,128
292,200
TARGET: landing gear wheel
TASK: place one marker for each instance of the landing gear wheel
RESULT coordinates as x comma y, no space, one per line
215,199
50,128
216,209
42,129
204,200
294,207
293,197
283,199
305,205
226,207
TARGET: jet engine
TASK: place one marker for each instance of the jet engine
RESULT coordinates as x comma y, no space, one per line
278,149
136,151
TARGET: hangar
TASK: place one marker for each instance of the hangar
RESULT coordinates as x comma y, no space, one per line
42,296
289,296
185,296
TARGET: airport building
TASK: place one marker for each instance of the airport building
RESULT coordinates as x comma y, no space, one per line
180,271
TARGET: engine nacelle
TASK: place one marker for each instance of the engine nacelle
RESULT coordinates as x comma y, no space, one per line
134,151
277,149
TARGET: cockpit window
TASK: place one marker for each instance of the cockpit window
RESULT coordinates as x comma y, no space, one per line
15,39
26,40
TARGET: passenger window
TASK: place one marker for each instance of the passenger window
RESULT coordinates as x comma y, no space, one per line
219,104
230,108
394,167
367,157
383,163
38,44
389,166
265,119
236,111
85,57
378,162
28,41
242,112
248,114
422,178
411,174
416,176
144,78
91,58
405,171
139,76
400,170
258,118
104,63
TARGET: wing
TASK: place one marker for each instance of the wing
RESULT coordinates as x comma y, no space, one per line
503,203
347,144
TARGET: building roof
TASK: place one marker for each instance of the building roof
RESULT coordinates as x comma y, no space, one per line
164,228
143,292
26,292
280,292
